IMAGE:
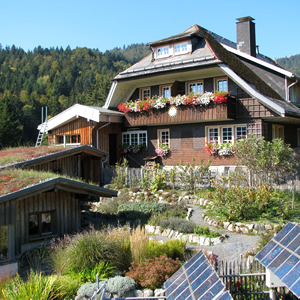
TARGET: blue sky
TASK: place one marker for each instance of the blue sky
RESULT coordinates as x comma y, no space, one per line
108,24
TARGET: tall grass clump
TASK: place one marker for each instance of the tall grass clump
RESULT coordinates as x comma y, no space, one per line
37,287
139,240
84,251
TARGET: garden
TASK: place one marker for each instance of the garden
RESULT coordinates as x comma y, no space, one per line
125,256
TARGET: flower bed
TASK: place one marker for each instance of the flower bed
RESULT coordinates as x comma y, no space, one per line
161,102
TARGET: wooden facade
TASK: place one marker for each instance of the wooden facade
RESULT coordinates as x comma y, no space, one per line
185,114
80,126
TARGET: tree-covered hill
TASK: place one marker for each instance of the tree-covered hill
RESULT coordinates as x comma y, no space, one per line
57,78
291,63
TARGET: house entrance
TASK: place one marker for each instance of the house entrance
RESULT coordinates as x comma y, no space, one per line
113,149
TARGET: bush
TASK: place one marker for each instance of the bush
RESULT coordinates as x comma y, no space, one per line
152,273
140,210
37,287
172,248
68,286
84,251
177,224
120,285
205,231
176,210
87,290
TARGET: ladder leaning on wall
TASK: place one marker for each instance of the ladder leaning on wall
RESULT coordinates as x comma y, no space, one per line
43,129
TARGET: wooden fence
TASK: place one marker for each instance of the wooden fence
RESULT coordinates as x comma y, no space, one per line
244,279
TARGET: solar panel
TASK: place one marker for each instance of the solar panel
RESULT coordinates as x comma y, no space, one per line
196,279
282,257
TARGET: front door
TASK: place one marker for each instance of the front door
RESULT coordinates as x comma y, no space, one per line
113,151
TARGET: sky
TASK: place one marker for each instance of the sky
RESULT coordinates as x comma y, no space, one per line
106,24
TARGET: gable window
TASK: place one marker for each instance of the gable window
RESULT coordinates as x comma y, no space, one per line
181,48
163,137
41,223
226,134
165,91
4,245
277,132
195,87
163,51
145,93
221,84
135,137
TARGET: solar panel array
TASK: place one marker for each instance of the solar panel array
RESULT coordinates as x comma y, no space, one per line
282,257
196,279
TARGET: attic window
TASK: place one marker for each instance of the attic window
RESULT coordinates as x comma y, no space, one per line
163,51
181,48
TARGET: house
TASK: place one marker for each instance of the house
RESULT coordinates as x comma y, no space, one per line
194,91
34,214
83,162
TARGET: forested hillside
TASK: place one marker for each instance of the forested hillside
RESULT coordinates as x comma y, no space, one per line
56,78
291,63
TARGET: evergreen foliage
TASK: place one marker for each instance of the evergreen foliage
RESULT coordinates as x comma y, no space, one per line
291,63
57,78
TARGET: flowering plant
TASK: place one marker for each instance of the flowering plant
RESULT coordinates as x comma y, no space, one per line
162,150
126,148
214,148
161,102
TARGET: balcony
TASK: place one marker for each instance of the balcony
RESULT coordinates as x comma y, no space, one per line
184,114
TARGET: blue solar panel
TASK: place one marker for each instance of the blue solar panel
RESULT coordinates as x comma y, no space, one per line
282,257
196,279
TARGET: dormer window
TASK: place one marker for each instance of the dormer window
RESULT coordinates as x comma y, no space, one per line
181,48
163,51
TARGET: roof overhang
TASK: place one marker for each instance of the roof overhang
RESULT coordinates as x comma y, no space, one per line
90,113
59,155
59,183
251,91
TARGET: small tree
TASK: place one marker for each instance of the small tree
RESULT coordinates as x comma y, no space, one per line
266,162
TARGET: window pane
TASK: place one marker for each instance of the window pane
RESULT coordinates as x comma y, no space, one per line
145,94
222,85
126,139
3,242
60,139
213,134
227,134
134,139
241,132
74,139
33,224
67,139
166,92
196,88
46,223
78,139
164,137
142,139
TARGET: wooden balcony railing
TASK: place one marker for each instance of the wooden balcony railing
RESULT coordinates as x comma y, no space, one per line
185,114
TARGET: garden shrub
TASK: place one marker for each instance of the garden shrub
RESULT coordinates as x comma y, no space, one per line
152,273
120,285
172,248
87,290
83,251
159,180
67,286
177,224
120,180
205,231
140,210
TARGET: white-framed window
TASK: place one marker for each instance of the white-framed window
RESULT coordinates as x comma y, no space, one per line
225,133
163,51
165,91
145,93
135,137
221,84
163,137
180,48
277,131
195,87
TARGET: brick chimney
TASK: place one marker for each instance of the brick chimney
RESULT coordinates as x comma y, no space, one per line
245,33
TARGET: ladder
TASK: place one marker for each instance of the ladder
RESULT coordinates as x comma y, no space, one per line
42,131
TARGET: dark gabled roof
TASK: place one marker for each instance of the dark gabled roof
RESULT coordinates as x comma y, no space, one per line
59,183
58,155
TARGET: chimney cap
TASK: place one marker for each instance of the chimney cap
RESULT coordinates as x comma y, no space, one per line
244,19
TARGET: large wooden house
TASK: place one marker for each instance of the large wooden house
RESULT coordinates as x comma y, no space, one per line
263,101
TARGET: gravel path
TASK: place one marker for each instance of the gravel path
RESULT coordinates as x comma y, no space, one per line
232,248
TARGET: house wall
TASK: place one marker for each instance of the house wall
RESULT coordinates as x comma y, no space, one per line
80,126
66,207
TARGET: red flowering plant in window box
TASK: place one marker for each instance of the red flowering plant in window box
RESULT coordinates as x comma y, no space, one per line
220,97
212,147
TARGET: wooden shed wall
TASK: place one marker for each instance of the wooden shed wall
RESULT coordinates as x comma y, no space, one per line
80,126
67,214
7,213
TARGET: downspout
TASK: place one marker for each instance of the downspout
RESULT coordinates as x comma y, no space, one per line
288,90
